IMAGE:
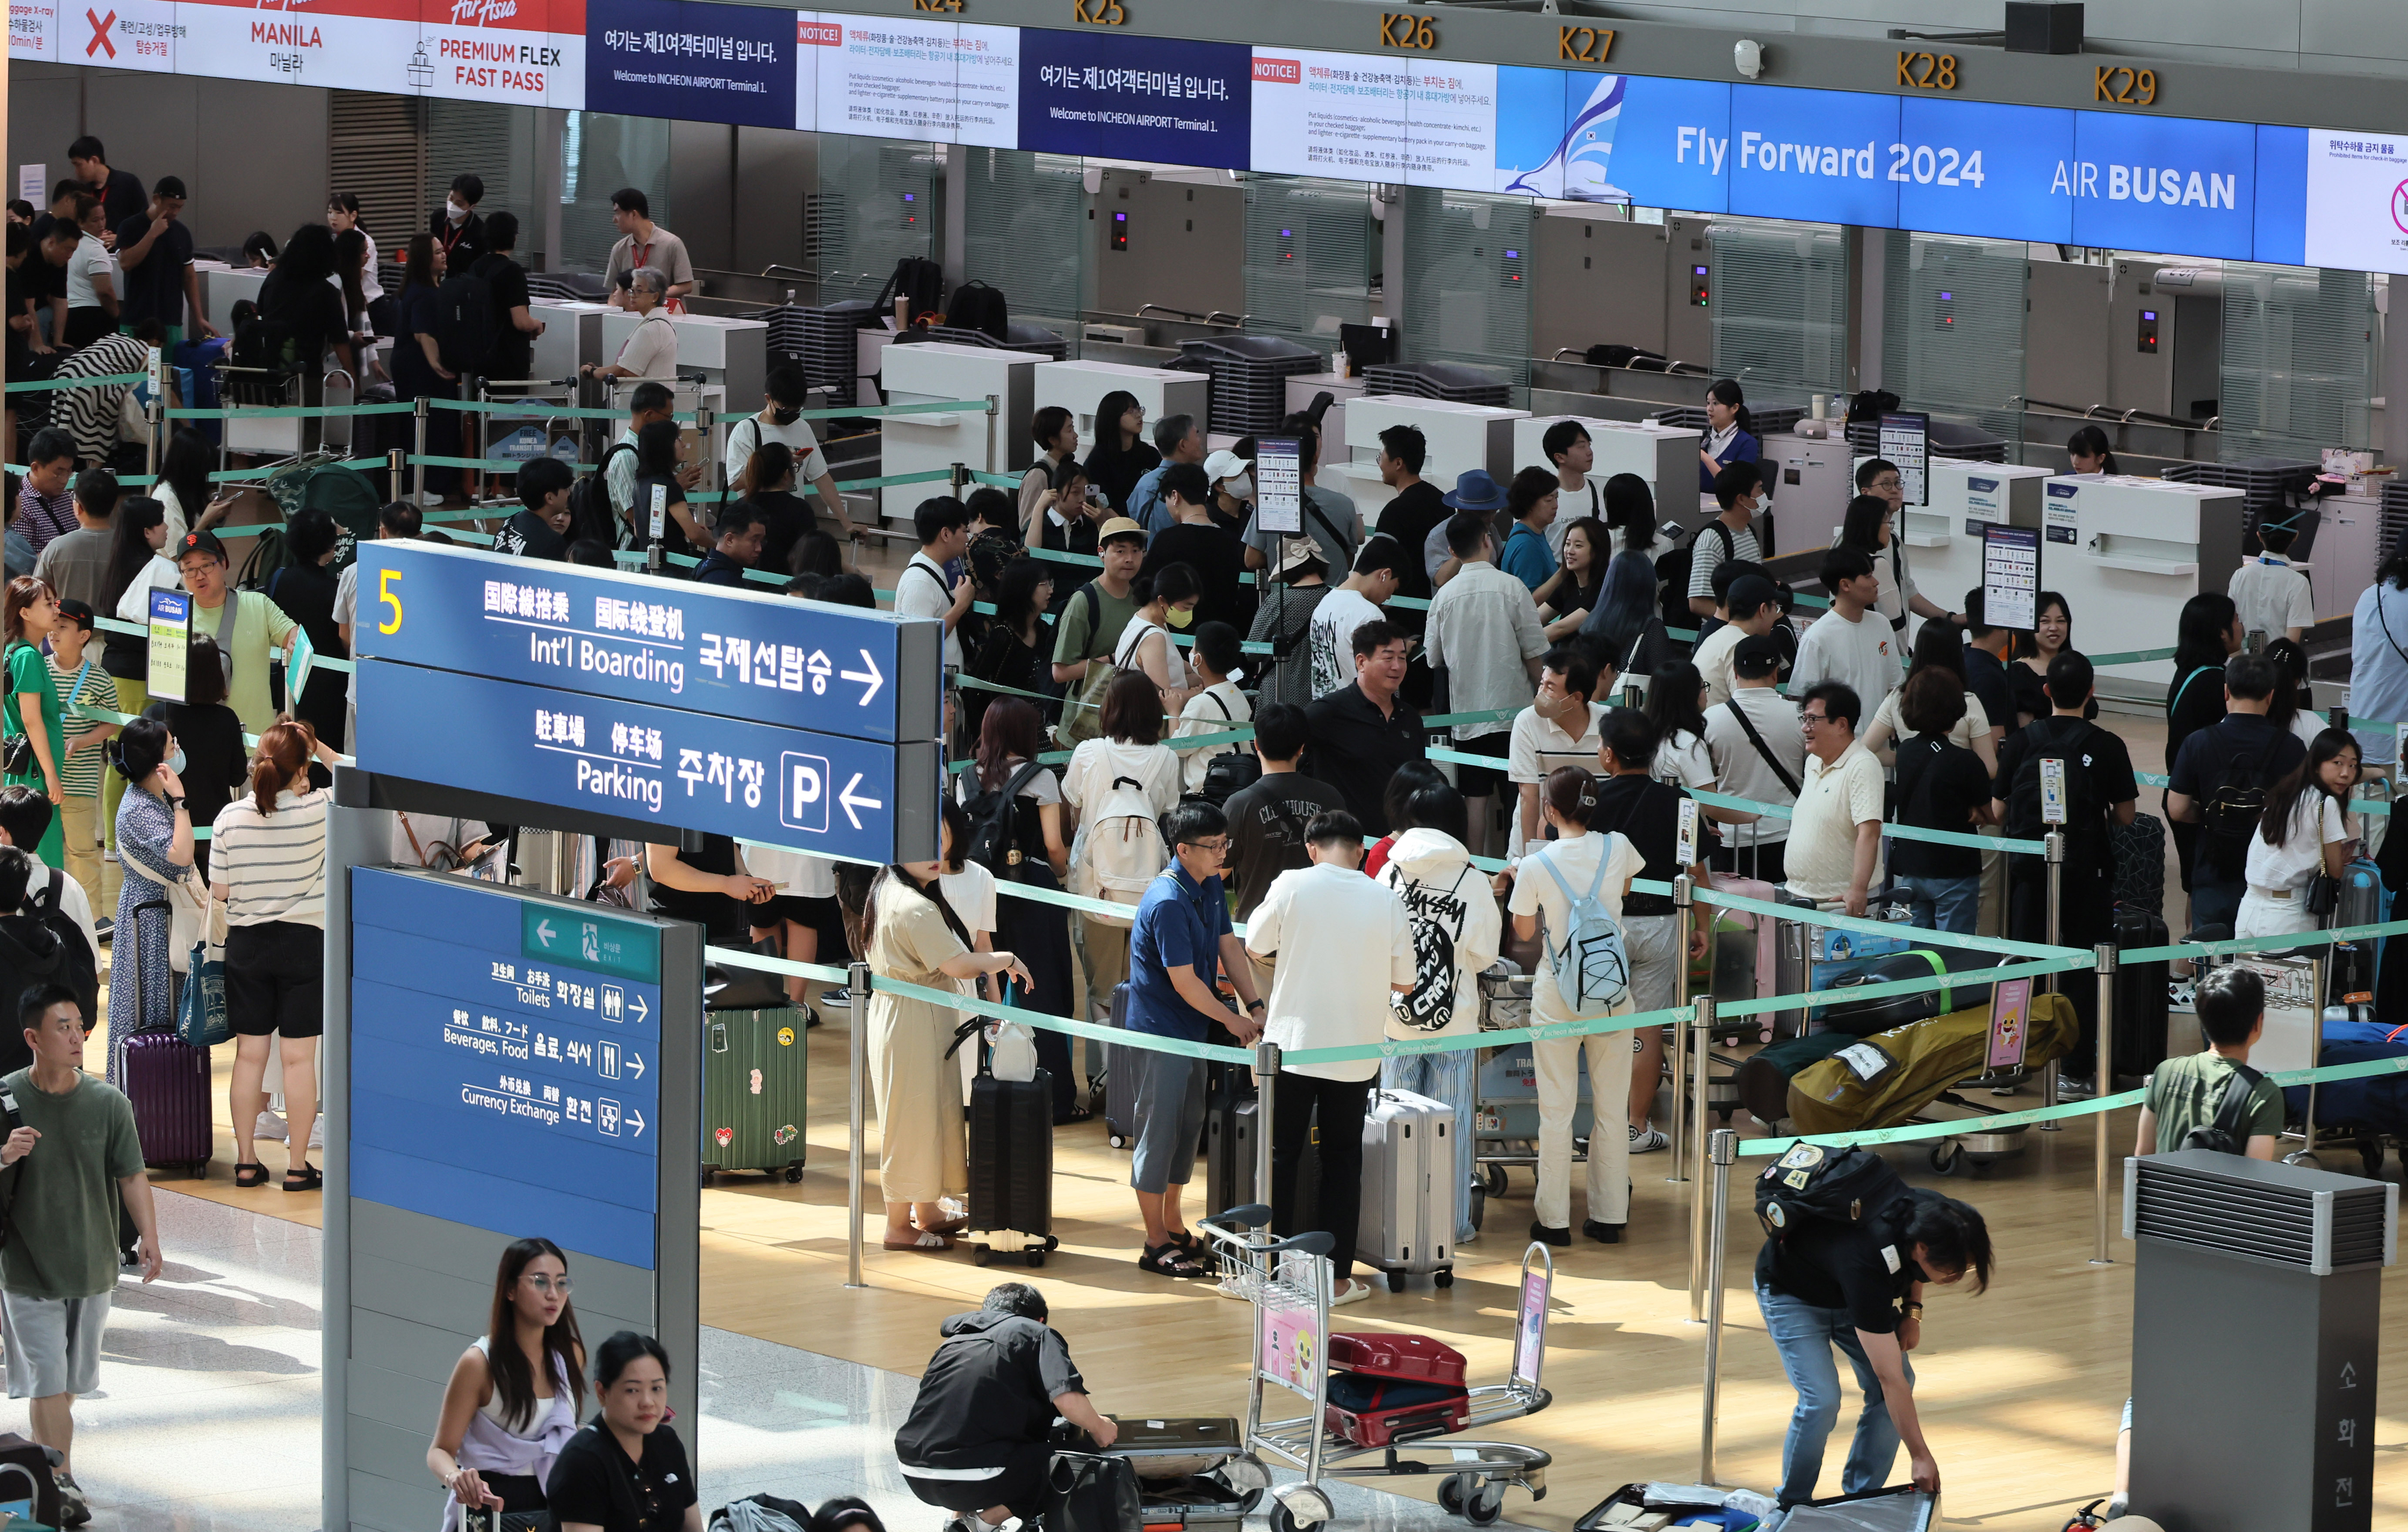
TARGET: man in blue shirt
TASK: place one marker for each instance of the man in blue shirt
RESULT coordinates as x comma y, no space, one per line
1179,439
1181,941
1525,556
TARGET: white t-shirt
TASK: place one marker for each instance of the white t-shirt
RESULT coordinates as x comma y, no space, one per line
1333,989
1686,760
1570,505
1746,774
90,258
2316,822
347,609
1096,763
651,349
2272,596
1713,659
922,590
1216,710
1330,637
796,873
971,893
1974,725
746,435
1539,746
1537,894
1833,801
1862,653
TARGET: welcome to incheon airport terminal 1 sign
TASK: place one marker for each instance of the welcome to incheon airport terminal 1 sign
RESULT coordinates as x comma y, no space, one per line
691,707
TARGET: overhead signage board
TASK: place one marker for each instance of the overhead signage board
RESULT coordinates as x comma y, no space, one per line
503,1086
771,659
812,791
1131,96
683,59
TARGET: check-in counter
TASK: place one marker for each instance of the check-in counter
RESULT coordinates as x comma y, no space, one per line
2126,552
732,352
1944,539
1079,386
1665,457
224,286
572,337
1457,437
931,371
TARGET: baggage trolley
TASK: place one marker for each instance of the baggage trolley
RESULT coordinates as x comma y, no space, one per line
1980,1147
1288,1282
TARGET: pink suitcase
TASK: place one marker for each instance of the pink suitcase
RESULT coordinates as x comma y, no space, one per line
1745,969
167,1079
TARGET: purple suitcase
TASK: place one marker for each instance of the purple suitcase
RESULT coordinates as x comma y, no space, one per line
167,1079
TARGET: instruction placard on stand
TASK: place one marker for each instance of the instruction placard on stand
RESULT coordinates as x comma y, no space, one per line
1906,440
1279,485
171,636
2009,576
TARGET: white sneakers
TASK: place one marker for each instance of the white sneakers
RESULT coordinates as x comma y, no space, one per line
1648,1140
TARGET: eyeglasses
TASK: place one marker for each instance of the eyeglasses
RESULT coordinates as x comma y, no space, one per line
561,1285
1810,720
1216,847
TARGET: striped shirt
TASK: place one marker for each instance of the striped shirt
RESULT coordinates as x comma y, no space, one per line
274,865
80,776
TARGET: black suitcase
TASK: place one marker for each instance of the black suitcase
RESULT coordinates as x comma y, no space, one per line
1229,1162
1012,1165
1120,1127
2140,1043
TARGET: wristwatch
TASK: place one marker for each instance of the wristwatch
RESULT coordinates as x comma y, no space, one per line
1252,1006
1914,1310
174,802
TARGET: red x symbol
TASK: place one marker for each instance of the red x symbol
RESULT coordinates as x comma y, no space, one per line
100,25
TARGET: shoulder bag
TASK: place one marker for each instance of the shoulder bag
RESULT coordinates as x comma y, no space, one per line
187,902
201,1013
1738,715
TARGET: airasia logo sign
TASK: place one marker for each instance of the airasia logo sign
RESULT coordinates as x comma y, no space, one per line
483,12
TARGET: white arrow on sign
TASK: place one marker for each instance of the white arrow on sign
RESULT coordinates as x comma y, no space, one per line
637,1118
543,932
851,802
642,1010
636,1064
872,676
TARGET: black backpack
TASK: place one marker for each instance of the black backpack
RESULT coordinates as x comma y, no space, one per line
2224,1135
43,945
1637,358
1675,567
265,344
992,841
918,281
590,512
2024,801
463,323
1813,1186
980,308
1232,770
2232,811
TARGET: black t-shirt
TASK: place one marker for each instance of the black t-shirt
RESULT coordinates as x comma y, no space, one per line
527,535
312,309
786,517
2196,701
513,347
215,756
121,197
1988,680
1938,784
2029,693
1417,509
592,1481
463,243
1217,558
1354,750
2238,749
2101,760
1266,824
1647,813
412,374
1116,472
1862,1269
718,913
154,288
673,538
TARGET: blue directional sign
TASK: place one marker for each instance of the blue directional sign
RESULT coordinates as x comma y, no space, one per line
867,675
505,1071
728,775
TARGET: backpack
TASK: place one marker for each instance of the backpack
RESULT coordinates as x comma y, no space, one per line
265,344
1675,567
1637,358
1591,965
1119,850
2233,807
2224,1135
991,822
2080,811
1812,1184
1429,1005
43,945
762,1513
463,323
1232,770
590,511
918,281
980,308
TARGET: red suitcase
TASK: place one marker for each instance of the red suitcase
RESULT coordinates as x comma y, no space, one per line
167,1079
1372,1412
1381,1355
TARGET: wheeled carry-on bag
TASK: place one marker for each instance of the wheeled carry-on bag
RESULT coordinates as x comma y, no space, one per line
1229,1128
2140,999
1409,1196
1743,954
1884,1080
1792,963
1371,1412
1012,1164
756,1094
2375,1105
168,1080
1119,1124
1384,1353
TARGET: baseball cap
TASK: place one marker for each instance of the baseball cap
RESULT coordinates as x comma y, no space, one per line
1756,655
1474,489
1119,526
1224,464
201,542
78,612
1751,594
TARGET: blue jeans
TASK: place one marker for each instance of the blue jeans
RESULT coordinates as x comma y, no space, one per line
2213,899
1952,905
1804,1335
1451,1078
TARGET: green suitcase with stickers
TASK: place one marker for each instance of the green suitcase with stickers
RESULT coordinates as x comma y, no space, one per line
755,1090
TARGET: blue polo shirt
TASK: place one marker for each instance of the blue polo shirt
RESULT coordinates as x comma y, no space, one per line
1527,558
1178,921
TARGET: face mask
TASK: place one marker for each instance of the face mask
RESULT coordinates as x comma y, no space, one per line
1178,617
1241,487
786,417
175,761
457,213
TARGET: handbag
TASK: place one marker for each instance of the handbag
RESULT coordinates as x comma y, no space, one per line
201,1013
2324,894
744,989
187,906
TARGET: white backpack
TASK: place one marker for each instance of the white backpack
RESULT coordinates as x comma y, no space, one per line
1118,849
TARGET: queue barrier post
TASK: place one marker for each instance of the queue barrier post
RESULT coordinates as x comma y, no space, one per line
1685,912
156,417
993,408
1722,1149
1266,1069
704,417
2055,844
857,1107
395,467
961,479
2105,1081
1702,1279
418,417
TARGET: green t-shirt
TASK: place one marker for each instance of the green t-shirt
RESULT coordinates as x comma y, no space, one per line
1076,640
63,1213
29,674
2187,1093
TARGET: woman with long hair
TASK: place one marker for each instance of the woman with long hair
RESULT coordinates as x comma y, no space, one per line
1132,721
299,296
768,481
136,568
1121,455
515,1394
2051,635
2207,634
214,760
1573,591
1676,710
154,844
350,263
1940,786
660,448
1627,629
306,587
1938,645
417,366
2292,707
187,502
2306,829
1411,777
268,868
1869,525
910,934
2088,451
1630,507
1019,648
1009,739
32,708
1730,434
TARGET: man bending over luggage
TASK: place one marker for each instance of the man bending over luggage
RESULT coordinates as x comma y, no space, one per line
1859,1286
977,1440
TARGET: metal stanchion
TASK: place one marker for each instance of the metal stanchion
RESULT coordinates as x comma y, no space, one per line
1684,908
397,465
418,421
1700,1278
157,417
704,418
857,1095
2103,1078
1722,1149
1266,1069
993,408
2054,841
961,479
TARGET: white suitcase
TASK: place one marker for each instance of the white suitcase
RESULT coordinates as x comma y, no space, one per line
1409,1196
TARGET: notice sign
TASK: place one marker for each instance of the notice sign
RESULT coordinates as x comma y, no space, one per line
2010,1024
2358,200
1906,440
171,634
2009,575
2061,511
1279,485
1986,501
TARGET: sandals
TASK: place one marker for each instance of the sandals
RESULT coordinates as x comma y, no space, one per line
251,1175
1170,1260
1075,1116
926,1239
947,1230
308,1177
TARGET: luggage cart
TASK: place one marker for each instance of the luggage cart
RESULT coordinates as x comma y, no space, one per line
281,436
1288,1283
1979,1147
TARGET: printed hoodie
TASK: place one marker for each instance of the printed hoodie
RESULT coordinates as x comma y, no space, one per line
1457,929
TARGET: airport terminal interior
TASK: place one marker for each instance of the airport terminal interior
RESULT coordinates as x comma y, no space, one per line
2043,347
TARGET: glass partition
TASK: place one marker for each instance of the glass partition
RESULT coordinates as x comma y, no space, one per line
1953,329
2299,361
1467,262
1312,246
1780,308
876,204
